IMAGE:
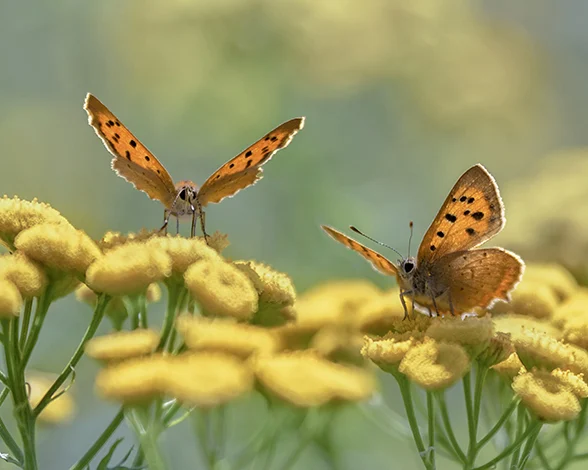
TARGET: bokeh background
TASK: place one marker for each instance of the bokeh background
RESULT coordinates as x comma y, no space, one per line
400,98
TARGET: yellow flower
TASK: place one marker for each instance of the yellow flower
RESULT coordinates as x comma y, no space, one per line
226,336
183,251
295,336
575,382
111,240
10,299
553,275
128,269
538,350
472,333
59,247
516,325
17,215
272,286
575,330
378,313
533,299
218,241
206,379
330,302
434,365
499,349
339,343
57,411
579,360
550,397
221,289
575,306
122,345
510,367
305,379
135,380
387,352
27,276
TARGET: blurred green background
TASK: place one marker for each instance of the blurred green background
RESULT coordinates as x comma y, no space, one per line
400,98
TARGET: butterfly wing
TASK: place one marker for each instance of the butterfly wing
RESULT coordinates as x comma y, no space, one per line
476,278
472,214
131,159
245,169
378,262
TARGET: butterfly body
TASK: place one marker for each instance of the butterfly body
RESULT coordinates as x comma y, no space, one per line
450,274
136,164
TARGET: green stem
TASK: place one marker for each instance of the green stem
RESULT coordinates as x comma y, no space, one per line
85,460
7,437
25,321
448,428
431,416
148,434
43,304
467,392
405,391
202,428
542,457
103,300
526,454
511,448
573,441
170,314
520,426
507,413
481,373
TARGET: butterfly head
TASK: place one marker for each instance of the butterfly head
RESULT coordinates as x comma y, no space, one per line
406,269
186,200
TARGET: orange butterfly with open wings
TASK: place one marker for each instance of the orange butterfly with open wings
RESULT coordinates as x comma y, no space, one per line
133,162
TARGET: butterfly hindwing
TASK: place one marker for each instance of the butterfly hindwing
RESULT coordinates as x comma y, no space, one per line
245,169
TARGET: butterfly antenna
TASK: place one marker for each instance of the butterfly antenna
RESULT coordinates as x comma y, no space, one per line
356,230
410,238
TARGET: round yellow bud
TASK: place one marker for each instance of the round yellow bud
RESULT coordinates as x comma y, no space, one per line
27,276
122,345
10,299
472,333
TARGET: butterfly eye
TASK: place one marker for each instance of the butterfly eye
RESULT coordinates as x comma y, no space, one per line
183,194
408,267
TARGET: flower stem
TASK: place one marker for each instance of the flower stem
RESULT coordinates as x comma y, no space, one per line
170,314
43,303
92,451
405,391
103,300
431,416
6,436
526,454
507,413
26,319
148,432
448,428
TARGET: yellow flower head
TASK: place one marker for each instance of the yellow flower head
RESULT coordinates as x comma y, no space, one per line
122,345
339,343
575,382
305,379
226,336
510,367
135,380
221,289
17,215
575,330
388,352
517,325
59,247
330,302
206,379
379,313
128,269
10,299
555,276
273,287
184,251
499,349
550,397
472,333
538,350
111,240
576,306
295,336
435,366
59,410
27,276
534,299
218,241
579,360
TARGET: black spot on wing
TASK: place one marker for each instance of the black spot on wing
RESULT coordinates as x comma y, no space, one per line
451,217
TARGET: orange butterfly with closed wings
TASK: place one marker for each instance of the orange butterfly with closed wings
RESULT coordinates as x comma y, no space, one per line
449,274
133,162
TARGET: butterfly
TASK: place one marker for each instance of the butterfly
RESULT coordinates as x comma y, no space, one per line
449,274
133,162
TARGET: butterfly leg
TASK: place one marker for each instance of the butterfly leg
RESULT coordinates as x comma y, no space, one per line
177,225
450,303
402,294
202,224
166,215
193,228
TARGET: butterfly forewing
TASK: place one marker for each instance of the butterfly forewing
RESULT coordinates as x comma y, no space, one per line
245,169
131,159
471,214
378,262
476,278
